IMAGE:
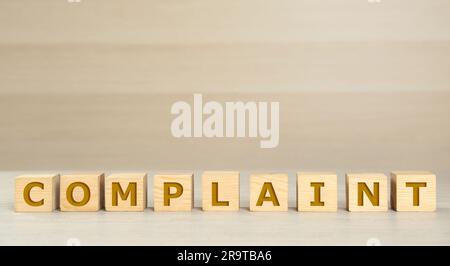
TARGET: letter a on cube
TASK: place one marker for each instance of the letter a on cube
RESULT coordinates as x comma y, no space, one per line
413,191
366,192
126,192
173,192
37,193
317,192
268,192
82,192
220,191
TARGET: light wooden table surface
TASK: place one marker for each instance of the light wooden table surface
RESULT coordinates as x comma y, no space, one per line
240,228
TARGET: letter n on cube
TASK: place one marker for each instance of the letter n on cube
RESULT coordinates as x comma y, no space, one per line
366,192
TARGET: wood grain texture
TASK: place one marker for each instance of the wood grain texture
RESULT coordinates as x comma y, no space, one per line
122,131
214,21
109,66
308,196
47,195
129,183
272,188
234,68
184,201
70,73
86,194
354,204
227,191
402,195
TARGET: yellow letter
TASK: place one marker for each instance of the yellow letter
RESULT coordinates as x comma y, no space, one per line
168,195
416,187
86,194
317,187
374,198
267,187
27,197
215,196
117,190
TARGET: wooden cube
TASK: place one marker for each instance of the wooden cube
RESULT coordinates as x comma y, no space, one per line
37,193
220,191
82,192
366,192
173,191
126,192
317,192
268,192
413,191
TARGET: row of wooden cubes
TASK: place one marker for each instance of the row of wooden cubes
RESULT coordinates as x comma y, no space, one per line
316,191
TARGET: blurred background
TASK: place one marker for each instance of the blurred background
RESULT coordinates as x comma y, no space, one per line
362,85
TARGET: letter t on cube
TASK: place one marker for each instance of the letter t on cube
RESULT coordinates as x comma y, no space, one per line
413,191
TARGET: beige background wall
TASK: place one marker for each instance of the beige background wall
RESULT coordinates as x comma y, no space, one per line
218,21
362,86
